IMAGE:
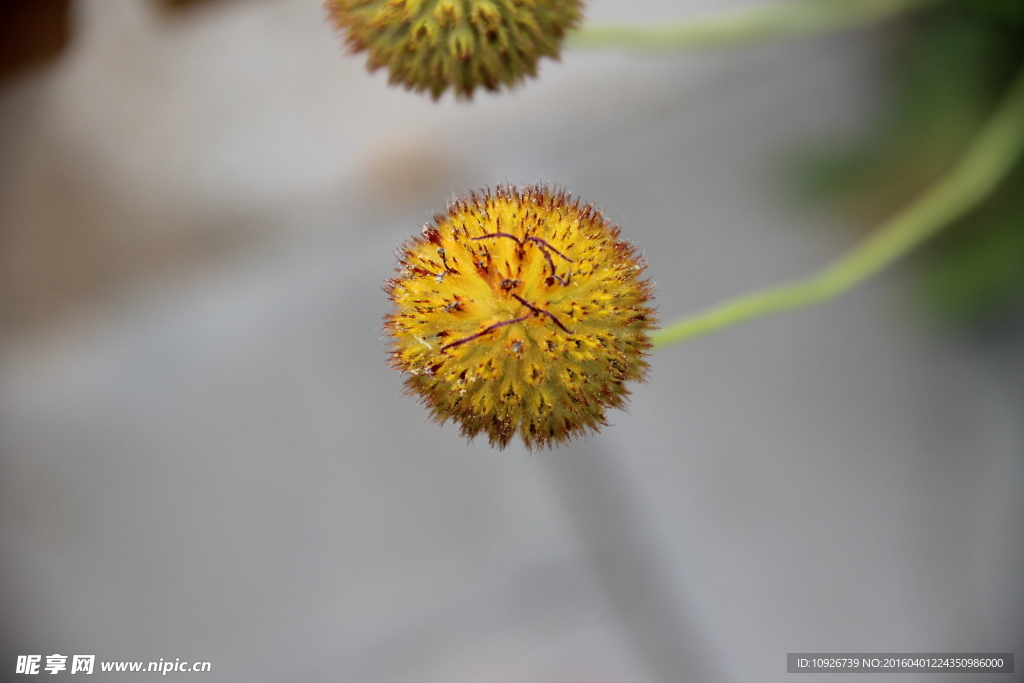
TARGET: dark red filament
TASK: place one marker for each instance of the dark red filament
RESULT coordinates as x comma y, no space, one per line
541,311
545,246
486,330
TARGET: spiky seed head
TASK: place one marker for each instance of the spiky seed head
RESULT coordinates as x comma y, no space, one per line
433,45
520,312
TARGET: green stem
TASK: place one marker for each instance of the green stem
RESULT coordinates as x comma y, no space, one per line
991,155
793,19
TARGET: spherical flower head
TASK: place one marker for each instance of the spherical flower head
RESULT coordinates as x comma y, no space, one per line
520,312
433,45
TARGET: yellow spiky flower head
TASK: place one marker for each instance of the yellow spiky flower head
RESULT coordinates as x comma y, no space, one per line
431,45
520,312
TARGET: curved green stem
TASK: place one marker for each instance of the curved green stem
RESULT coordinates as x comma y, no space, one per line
793,19
991,155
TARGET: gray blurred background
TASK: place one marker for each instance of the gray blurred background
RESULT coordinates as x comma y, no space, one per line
204,456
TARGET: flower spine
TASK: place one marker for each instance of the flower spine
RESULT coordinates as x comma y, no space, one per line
433,45
520,312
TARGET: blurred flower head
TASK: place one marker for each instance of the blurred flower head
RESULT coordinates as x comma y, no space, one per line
433,45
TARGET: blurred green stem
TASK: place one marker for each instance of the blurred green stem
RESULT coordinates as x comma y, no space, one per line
990,156
792,19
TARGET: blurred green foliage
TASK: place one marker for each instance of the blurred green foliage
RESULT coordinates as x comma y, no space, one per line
950,65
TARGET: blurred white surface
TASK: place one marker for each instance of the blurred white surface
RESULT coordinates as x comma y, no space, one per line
214,463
